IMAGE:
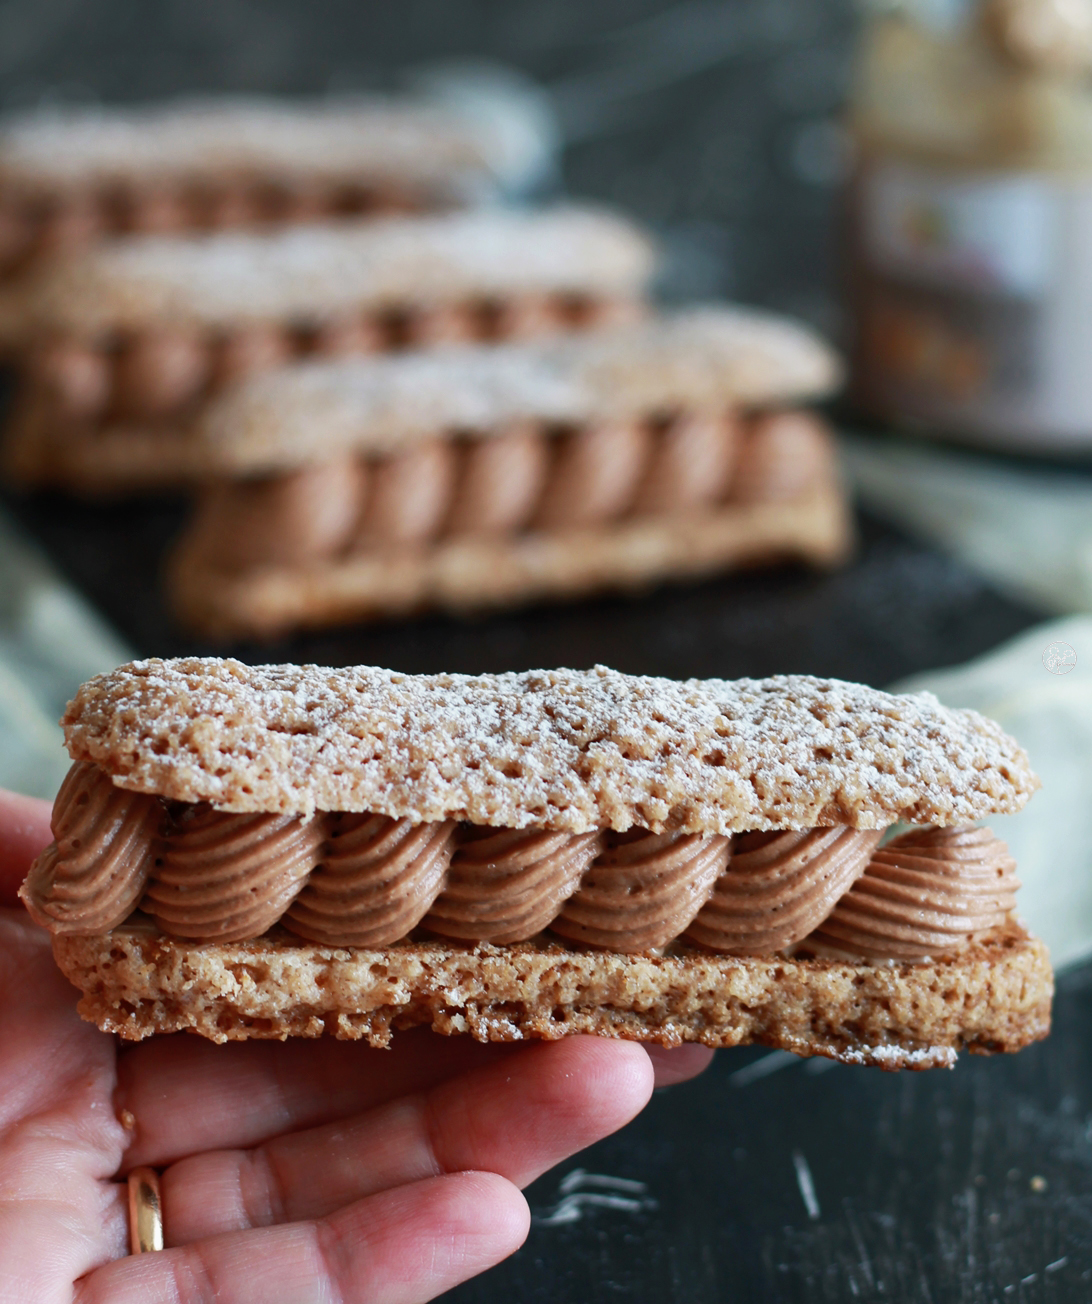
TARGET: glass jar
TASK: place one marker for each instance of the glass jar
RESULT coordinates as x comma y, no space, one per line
970,235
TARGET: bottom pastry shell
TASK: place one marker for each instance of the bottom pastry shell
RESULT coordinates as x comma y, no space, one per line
992,997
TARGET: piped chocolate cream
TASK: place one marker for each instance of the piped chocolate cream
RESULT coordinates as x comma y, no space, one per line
781,888
928,893
376,880
356,879
527,478
228,877
93,874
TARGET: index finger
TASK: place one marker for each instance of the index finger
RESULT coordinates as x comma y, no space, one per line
184,1095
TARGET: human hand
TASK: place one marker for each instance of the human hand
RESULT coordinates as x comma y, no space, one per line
290,1172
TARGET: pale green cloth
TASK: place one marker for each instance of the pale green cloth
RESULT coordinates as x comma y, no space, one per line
1051,715
50,642
1027,529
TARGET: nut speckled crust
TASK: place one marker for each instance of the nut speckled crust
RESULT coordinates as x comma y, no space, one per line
994,997
473,574
569,750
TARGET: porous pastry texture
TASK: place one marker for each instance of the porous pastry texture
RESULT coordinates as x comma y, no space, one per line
464,574
709,358
569,750
346,137
315,273
993,997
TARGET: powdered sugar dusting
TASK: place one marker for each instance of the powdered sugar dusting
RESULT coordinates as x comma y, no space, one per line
311,273
355,137
703,359
562,749
900,1057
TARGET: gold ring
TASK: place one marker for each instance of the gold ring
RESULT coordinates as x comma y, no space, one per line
145,1211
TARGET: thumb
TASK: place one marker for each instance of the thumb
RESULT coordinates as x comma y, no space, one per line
24,831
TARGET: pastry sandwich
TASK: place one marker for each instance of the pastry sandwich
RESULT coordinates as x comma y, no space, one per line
278,851
120,345
473,478
72,176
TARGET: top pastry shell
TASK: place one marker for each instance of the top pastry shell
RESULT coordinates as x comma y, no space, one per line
569,750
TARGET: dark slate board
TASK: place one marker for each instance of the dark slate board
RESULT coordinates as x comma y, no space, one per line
929,1188
899,608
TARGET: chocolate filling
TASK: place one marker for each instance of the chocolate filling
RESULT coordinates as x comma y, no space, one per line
157,374
367,880
528,477
33,226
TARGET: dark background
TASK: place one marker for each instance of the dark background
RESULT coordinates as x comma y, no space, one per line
714,120
718,124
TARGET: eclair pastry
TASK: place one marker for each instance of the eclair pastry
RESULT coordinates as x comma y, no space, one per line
73,176
279,851
120,345
474,478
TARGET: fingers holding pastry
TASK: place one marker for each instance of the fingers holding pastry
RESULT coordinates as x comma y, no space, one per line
404,1246
516,1119
24,831
187,1095
675,1064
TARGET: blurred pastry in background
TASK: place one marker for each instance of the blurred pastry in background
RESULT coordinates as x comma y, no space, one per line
536,855
971,233
72,176
119,346
368,488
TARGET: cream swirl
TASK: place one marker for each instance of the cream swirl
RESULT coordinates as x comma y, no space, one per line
73,379
444,323
506,885
691,465
90,878
225,877
69,223
926,893
781,455
377,878
250,349
527,316
160,371
595,474
228,204
283,519
499,482
779,887
643,890
348,336
158,209
408,495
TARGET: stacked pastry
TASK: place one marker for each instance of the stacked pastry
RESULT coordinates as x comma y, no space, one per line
71,177
276,851
493,463
120,345
368,487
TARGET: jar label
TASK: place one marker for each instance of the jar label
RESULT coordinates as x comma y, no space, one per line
973,302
